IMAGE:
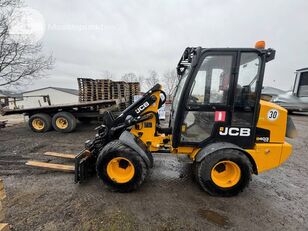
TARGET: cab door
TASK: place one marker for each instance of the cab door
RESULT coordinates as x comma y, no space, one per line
207,99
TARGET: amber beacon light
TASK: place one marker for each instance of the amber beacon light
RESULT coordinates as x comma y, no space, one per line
260,45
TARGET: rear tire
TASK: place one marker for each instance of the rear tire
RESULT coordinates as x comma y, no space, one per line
125,178
40,122
64,122
224,173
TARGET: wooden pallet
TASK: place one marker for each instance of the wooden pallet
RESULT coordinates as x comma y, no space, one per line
134,89
87,89
104,89
120,89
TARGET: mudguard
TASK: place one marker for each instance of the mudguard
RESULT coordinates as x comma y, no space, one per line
136,144
213,147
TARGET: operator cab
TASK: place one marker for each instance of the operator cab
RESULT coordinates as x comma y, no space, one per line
218,95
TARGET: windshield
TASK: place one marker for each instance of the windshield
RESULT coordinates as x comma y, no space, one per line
179,91
303,85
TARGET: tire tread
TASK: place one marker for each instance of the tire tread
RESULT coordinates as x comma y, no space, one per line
72,122
45,117
117,146
209,161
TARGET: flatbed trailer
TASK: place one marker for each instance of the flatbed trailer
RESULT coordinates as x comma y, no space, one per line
63,117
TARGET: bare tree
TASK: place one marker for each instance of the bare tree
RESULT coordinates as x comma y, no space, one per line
169,82
21,60
7,3
129,77
152,79
140,79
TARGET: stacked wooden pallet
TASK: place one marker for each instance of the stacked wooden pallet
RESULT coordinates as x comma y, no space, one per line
87,89
103,89
3,226
120,90
134,89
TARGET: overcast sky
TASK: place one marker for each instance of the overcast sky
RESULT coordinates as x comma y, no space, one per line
88,37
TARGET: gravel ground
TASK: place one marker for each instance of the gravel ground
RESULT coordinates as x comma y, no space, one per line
168,200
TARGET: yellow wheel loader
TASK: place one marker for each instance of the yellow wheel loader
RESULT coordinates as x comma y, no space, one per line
217,119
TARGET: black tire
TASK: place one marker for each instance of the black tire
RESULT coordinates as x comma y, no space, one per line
204,169
69,124
43,118
116,149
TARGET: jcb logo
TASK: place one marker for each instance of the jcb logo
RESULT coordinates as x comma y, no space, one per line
225,131
142,107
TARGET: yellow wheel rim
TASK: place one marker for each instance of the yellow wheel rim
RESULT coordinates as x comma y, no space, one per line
226,174
120,170
61,123
38,124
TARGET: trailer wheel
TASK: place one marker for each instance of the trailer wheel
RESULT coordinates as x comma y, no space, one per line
40,122
120,167
64,122
224,173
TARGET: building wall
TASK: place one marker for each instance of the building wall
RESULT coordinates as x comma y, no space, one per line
56,97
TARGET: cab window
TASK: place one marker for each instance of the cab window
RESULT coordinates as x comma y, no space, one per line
211,84
303,85
210,87
245,94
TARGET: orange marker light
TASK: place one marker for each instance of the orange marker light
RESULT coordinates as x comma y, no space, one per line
260,45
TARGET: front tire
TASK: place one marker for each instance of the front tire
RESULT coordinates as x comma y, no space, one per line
224,173
120,168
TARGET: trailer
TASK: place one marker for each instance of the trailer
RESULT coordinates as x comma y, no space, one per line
63,117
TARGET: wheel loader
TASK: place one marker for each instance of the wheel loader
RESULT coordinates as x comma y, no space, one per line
217,119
